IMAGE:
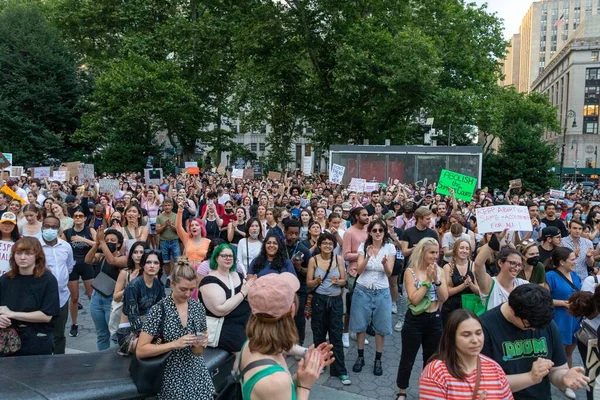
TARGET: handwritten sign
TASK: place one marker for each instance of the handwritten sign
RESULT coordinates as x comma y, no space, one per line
108,186
498,218
221,168
5,162
337,174
463,185
557,194
191,164
307,165
274,176
515,183
72,167
16,171
371,186
237,173
41,172
85,172
60,176
152,176
357,185
248,173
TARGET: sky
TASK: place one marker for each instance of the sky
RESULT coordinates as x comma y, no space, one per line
512,11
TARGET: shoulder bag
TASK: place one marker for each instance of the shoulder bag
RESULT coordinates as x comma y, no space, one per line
104,283
477,380
418,309
148,373
215,324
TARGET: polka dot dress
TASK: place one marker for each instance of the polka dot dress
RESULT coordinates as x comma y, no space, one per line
186,375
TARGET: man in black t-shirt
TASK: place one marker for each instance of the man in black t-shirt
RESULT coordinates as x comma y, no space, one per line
374,200
551,220
522,337
421,230
550,239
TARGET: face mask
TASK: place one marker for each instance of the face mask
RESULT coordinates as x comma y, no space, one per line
254,235
49,234
113,221
120,209
541,208
500,197
112,247
229,210
533,260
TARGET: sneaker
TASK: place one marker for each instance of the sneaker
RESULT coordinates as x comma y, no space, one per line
346,340
398,326
394,308
79,306
345,380
359,364
377,370
570,393
74,330
353,337
114,338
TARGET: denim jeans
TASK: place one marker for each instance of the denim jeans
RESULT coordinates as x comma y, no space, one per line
328,317
424,329
100,310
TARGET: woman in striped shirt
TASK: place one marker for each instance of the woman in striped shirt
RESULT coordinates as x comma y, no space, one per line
458,370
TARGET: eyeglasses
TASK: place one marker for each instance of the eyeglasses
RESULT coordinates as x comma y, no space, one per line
514,264
78,216
528,242
226,256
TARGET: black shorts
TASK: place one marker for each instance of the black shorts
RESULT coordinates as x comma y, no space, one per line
83,270
398,267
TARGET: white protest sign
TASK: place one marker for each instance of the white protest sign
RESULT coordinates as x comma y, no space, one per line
237,173
498,218
85,172
557,194
307,165
109,186
371,186
16,171
60,176
337,173
41,172
357,185
191,164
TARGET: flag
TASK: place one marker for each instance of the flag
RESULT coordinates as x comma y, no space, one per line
560,21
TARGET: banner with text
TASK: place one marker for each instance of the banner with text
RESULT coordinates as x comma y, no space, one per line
463,185
498,218
85,172
109,186
60,176
237,173
557,194
357,185
337,174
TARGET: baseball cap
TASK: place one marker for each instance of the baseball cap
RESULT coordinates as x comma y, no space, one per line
389,214
9,217
273,294
550,231
70,199
346,206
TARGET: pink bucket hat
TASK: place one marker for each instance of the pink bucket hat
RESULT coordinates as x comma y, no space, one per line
273,294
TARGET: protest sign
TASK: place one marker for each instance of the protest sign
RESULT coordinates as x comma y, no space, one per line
498,218
371,186
514,184
193,170
337,174
274,176
249,173
357,185
4,161
221,168
307,165
60,176
16,171
86,172
463,185
8,191
42,172
108,186
237,173
191,164
151,175
557,194
72,167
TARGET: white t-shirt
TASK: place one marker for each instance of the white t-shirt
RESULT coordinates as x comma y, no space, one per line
245,257
498,295
448,241
374,277
5,248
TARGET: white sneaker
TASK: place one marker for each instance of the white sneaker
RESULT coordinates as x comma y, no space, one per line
394,308
346,340
353,337
398,326
570,393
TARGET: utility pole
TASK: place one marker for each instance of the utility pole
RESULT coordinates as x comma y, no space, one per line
570,114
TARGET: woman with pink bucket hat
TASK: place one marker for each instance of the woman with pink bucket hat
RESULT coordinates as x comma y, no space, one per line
271,331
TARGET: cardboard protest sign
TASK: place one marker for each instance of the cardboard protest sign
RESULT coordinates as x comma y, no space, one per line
371,186
191,164
193,170
248,173
108,186
357,185
463,185
515,183
337,174
4,161
557,194
86,172
237,173
9,192
72,167
498,218
221,168
152,176
42,172
60,176
16,171
274,176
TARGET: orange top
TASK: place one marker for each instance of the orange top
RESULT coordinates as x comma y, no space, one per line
195,252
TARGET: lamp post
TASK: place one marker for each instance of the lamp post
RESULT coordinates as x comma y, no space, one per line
570,114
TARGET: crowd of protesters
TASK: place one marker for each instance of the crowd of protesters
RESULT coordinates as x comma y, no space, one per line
235,264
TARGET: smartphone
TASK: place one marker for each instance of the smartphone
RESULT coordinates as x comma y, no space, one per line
298,256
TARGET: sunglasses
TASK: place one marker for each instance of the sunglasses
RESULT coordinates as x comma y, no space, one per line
377,230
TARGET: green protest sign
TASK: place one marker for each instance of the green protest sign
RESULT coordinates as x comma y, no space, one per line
463,185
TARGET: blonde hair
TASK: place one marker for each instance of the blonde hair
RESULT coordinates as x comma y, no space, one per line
183,270
416,258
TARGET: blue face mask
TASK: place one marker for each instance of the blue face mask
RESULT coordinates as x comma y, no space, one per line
541,208
49,235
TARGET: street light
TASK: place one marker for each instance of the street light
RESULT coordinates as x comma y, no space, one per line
570,114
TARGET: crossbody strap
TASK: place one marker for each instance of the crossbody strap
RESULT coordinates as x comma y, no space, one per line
231,285
326,273
477,379
566,280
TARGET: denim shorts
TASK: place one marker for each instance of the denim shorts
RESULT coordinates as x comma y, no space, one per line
170,250
371,304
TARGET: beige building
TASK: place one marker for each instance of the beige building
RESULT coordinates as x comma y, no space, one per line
545,28
571,80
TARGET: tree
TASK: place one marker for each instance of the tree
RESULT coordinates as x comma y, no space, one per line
519,121
40,87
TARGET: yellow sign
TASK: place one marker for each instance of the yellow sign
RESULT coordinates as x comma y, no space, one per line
8,191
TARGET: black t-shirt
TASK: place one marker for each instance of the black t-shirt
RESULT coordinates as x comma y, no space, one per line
516,349
544,254
291,250
558,223
370,209
414,236
25,293
80,249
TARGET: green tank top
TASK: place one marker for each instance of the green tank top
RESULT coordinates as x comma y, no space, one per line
248,385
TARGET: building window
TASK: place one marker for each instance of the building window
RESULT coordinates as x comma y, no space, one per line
264,129
252,146
262,146
307,150
595,56
590,110
298,155
309,129
592,92
591,128
591,74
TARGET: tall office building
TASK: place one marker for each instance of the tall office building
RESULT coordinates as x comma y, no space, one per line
546,28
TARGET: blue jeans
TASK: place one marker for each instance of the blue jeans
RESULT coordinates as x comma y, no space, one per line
170,250
100,310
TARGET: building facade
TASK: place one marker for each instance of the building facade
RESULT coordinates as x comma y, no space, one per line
571,80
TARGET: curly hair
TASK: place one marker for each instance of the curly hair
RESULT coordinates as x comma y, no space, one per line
279,260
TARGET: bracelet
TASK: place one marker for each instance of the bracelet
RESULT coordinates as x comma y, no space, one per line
437,283
302,387
427,285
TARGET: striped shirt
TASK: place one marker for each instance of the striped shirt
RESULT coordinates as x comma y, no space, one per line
437,383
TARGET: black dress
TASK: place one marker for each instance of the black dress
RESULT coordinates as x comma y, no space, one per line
454,302
233,333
